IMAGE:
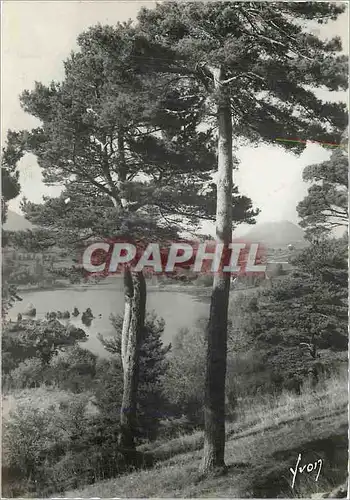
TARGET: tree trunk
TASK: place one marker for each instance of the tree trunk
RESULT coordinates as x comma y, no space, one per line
122,169
214,406
132,330
132,334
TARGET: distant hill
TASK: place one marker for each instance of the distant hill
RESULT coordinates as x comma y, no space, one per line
16,222
277,234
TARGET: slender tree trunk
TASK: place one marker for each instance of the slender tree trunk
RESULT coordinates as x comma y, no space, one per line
122,168
132,333
132,330
128,297
214,407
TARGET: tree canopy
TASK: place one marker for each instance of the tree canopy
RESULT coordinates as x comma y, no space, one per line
271,64
306,309
256,68
10,187
124,141
326,205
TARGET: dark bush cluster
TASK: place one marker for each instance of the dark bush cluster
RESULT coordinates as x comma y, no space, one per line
52,450
75,441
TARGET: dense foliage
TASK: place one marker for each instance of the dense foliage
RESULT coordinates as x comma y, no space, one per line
29,338
326,205
124,143
270,60
10,189
302,319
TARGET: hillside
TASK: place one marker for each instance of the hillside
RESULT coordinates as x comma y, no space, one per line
16,222
259,453
277,234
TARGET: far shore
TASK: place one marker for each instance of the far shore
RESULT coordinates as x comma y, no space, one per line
110,283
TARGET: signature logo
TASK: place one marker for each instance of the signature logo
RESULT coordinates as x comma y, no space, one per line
111,256
310,467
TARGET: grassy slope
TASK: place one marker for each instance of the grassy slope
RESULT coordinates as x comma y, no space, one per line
259,452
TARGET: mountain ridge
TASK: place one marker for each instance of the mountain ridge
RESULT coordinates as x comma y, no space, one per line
276,234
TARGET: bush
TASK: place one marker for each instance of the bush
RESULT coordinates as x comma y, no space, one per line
39,339
205,280
108,387
73,370
246,376
50,450
28,374
184,380
32,440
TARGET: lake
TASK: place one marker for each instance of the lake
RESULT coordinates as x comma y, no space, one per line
179,308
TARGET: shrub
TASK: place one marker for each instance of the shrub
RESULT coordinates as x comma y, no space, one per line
32,439
108,387
50,450
74,370
36,339
184,380
205,280
28,374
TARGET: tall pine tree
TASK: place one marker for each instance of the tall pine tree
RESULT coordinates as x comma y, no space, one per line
124,143
255,65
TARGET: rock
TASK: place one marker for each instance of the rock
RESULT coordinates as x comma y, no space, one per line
88,313
30,310
86,319
75,312
71,329
77,333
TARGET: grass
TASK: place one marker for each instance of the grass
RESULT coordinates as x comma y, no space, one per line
260,449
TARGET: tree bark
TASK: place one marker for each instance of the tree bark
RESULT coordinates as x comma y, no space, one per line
132,335
214,406
122,169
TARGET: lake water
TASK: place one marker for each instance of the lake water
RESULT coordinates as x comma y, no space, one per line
178,308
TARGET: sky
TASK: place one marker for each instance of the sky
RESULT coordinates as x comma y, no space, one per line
37,36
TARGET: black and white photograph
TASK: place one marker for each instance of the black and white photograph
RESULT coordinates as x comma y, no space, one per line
174,209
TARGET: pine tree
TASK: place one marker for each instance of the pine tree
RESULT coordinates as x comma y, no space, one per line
10,189
117,131
301,323
253,64
326,205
